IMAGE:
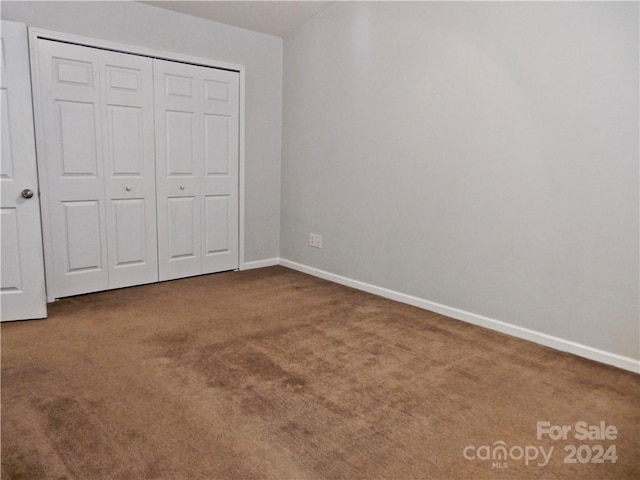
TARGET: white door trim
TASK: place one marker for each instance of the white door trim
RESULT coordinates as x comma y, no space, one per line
37,33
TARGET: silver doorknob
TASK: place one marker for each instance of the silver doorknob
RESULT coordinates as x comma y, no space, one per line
127,188
181,187
27,193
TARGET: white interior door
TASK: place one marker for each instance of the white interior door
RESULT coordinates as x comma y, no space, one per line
196,110
22,291
97,168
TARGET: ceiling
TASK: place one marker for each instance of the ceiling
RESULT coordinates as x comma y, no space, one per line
275,18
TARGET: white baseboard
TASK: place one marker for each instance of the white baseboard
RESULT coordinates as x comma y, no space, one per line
557,343
268,262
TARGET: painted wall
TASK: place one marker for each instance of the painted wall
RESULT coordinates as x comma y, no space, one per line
481,155
146,26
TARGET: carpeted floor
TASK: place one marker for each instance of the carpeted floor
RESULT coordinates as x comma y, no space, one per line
278,375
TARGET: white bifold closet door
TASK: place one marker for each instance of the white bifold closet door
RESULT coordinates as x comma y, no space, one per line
196,112
98,168
139,167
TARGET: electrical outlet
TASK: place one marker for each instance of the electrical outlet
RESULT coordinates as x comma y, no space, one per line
315,240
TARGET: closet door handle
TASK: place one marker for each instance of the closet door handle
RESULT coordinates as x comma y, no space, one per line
127,188
181,187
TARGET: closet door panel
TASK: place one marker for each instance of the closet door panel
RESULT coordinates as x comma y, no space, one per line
141,160
82,230
79,153
180,142
219,182
131,231
127,111
197,128
179,152
182,219
126,140
72,167
217,224
98,124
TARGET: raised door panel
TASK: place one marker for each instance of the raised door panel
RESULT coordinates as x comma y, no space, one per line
127,109
130,232
183,241
217,130
73,72
180,135
182,218
179,85
125,136
72,168
124,78
11,278
217,224
77,138
82,231
6,162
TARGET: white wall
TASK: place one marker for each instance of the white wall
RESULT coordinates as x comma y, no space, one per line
146,26
481,155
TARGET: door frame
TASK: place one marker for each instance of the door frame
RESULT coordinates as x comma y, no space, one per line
36,34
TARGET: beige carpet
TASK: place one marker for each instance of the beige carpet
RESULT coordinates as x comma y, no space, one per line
277,375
